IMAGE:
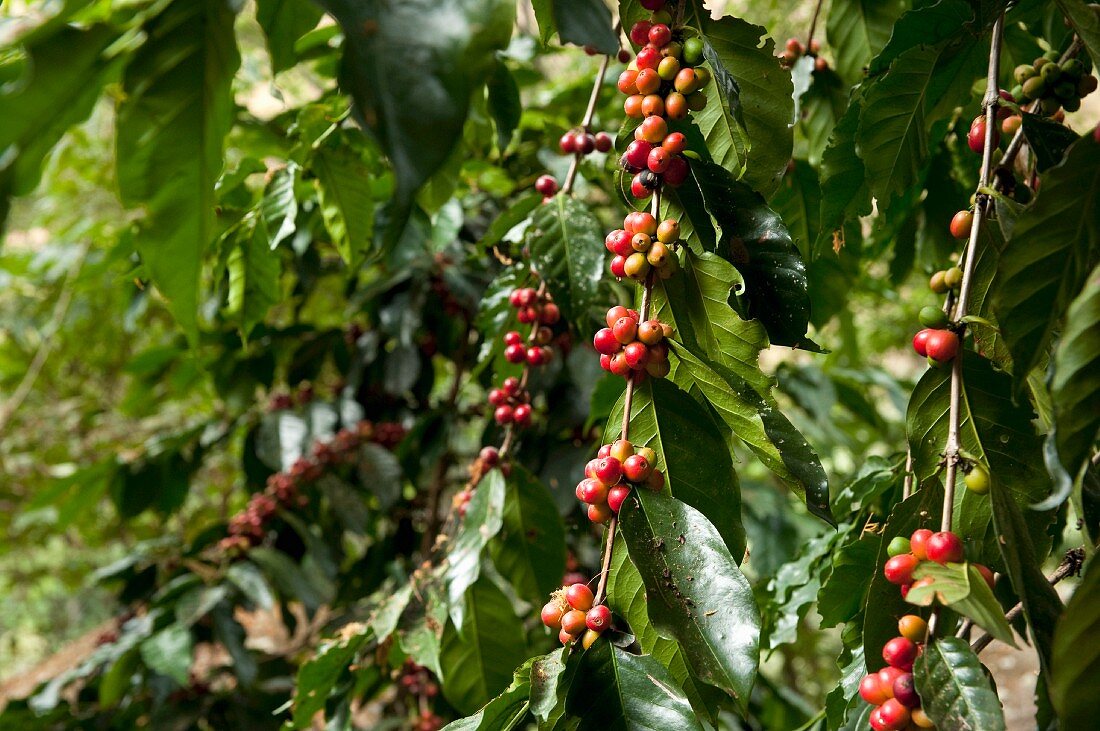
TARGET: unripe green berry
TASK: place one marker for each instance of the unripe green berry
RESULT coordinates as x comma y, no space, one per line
898,546
933,317
1034,87
937,283
953,277
693,51
1023,72
1050,73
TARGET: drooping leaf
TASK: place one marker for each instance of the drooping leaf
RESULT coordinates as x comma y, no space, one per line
1076,657
484,519
926,24
506,710
566,243
318,676
695,591
954,691
1048,256
961,587
477,659
1047,140
530,548
857,30
175,110
843,593
284,22
616,691
583,23
691,453
551,676
512,216
1075,387
444,50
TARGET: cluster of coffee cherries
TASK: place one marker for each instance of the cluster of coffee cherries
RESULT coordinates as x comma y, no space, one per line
796,49
936,341
284,489
642,245
511,400
487,459
512,403
581,142
1052,84
664,82
417,679
573,612
923,545
892,690
630,348
618,468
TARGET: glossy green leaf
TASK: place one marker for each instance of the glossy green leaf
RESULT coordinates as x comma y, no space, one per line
1076,659
1047,258
566,244
961,587
581,22
443,50
694,589
1075,387
1047,140
927,24
690,451
484,519
169,652
477,660
757,242
284,22
844,592
845,190
955,692
516,213
857,30
617,691
318,676
176,108
530,548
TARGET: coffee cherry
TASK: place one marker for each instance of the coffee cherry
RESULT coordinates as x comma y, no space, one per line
580,597
604,451
503,415
490,456
660,35
639,32
942,345
636,468
658,160
598,618
616,496
653,104
637,355
564,637
535,356
566,144
584,143
497,397
618,267
626,82
677,171
621,449
675,142
658,255
961,223
573,621
640,242
945,547
515,353
652,5
608,470
920,341
905,691
521,415
550,314
654,129
618,242
512,337
599,513
625,329
953,277
920,719
637,154
898,546
589,639
638,188
510,385
937,284
918,543
648,82
693,51
977,480
899,569
632,106
894,715
668,68
604,143
913,628
619,366
616,313
636,266
658,369
976,137
871,690
552,613
876,721
605,341
987,574
900,652
933,317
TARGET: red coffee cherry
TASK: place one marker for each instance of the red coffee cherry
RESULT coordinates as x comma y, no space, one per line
899,569
598,618
900,653
584,143
580,597
945,547
648,58
961,223
905,691
552,613
608,470
637,154
675,142
604,143
660,35
870,689
894,715
987,574
497,397
648,82
515,353
677,171
566,144
599,513
658,160
639,32
605,341
546,184
625,329
920,341
637,355
618,266
521,415
535,356
564,637
504,414
942,345
975,139
886,678
573,621
592,492
918,543
875,719
636,468
616,496
490,456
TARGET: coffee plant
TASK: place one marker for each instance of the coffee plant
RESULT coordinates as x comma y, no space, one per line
316,312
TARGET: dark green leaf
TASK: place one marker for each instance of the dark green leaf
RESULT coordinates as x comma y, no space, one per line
478,659
857,30
504,103
177,106
617,691
506,710
1082,16
296,583
168,652
318,676
585,23
530,549
845,192
515,214
284,22
566,243
1046,261
843,593
1076,659
1048,140
695,591
551,676
954,690
1075,387
928,24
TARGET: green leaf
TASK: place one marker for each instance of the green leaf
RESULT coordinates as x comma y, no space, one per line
284,22
954,690
566,244
845,191
530,548
506,710
695,591
1048,140
798,203
961,587
757,242
1075,387
477,660
994,431
512,216
551,676
176,108
843,593
318,676
909,107
484,519
690,451
1077,655
292,579
254,271
442,48
928,24
822,107
617,691
168,652
346,199
747,122
1082,16
584,23
857,30
884,603
279,206
505,106
1048,257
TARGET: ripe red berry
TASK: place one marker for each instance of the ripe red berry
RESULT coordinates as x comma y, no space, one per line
535,356
870,689
900,653
590,468
961,223
551,614
942,345
573,621
894,715
619,366
905,691
636,468
566,144
615,313
677,171
593,492
546,184
490,456
976,137
616,496
918,543
608,470
512,338
626,82
899,569
625,329
497,397
504,414
521,415
638,188
580,597
584,143
654,129
598,618
604,451
920,341
660,35
658,160
515,353
564,637
875,719
945,547
637,154
639,32
886,678
987,574
604,143
618,266
605,341
636,354
648,58
527,315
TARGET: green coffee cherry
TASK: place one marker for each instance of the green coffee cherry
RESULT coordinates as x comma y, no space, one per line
1074,68
1023,72
1051,72
1034,87
693,51
933,317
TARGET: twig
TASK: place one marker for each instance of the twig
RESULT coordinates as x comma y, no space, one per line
813,24
907,485
571,176
1070,566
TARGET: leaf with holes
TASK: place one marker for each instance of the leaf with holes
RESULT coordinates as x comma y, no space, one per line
954,689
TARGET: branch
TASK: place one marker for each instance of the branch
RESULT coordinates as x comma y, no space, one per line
586,121
813,25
